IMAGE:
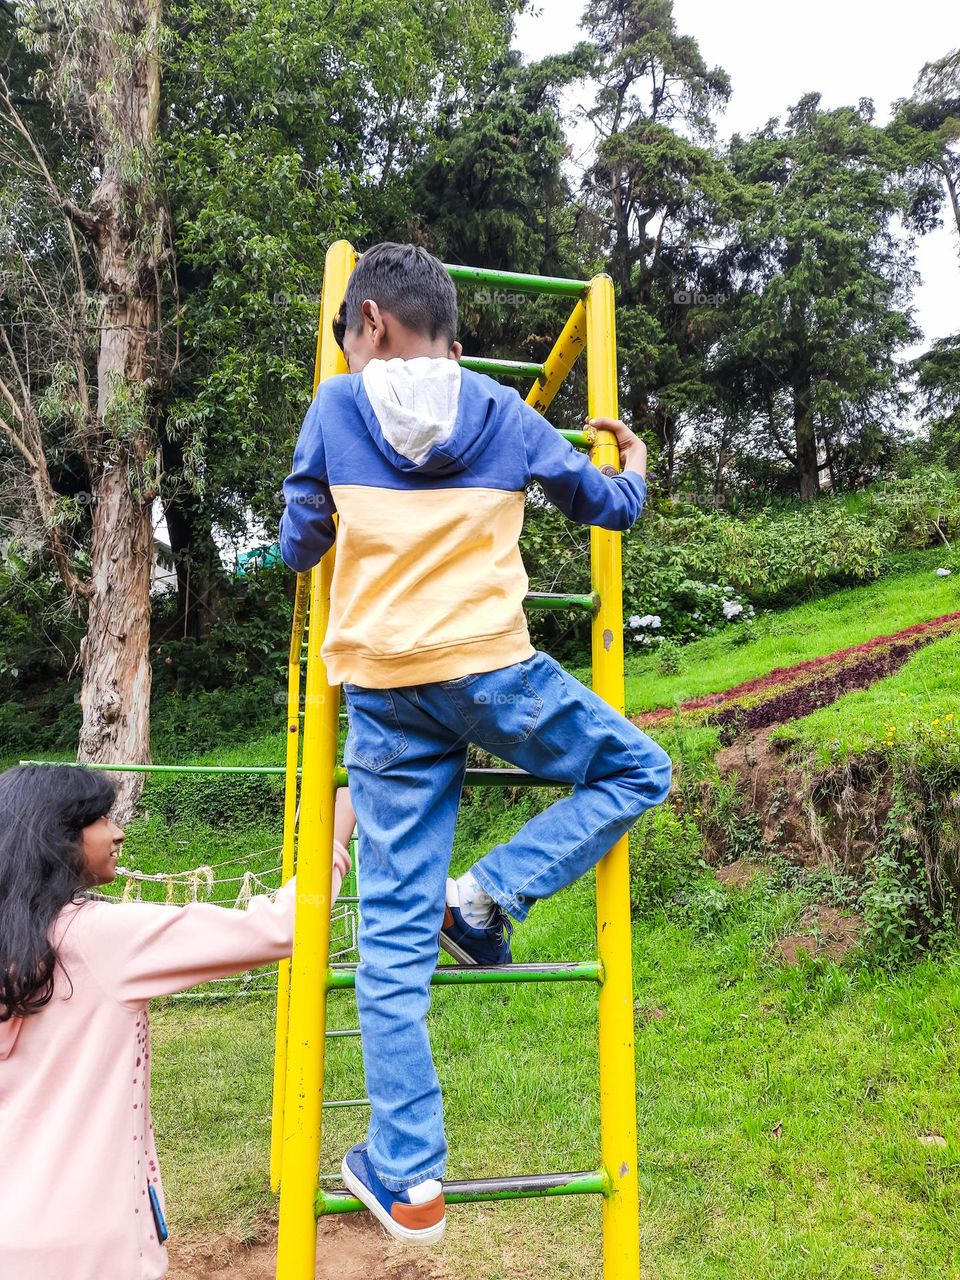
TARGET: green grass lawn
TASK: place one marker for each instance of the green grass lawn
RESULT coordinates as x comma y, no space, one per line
781,1111
917,706
794,635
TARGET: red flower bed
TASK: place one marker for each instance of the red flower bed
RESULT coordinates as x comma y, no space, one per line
800,689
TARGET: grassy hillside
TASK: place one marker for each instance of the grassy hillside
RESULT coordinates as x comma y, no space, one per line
793,635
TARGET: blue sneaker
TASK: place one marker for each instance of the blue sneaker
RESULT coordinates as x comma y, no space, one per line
412,1223
467,945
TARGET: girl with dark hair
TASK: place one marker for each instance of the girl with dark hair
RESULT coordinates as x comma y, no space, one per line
80,1191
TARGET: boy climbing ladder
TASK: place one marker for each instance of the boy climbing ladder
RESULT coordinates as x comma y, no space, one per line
426,464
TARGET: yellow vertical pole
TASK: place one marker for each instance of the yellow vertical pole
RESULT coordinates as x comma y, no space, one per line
299,1166
286,868
618,1108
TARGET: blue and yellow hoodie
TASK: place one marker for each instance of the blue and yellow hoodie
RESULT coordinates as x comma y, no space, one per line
426,465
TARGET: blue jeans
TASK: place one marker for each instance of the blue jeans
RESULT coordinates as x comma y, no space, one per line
406,752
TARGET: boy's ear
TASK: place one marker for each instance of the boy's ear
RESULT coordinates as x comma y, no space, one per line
373,322
456,350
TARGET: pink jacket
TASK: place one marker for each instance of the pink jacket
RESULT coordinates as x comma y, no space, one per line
76,1142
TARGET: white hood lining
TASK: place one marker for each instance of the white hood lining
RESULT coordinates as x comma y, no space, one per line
415,401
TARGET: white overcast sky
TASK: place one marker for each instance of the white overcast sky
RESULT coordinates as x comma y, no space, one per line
774,53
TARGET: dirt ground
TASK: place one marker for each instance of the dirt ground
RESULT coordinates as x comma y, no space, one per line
346,1250
826,932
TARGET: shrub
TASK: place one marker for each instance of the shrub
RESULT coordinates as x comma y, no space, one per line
666,856
919,510
215,799
693,609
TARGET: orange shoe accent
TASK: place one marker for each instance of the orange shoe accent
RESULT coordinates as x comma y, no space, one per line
417,1217
447,918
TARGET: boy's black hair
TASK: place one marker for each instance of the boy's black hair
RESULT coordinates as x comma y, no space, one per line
408,282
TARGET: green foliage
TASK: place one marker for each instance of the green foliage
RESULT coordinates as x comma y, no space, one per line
666,856
222,800
821,286
893,908
187,725
918,510
286,127
740,829
773,557
685,611
938,381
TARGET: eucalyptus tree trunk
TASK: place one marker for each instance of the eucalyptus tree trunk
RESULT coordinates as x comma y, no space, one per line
92,309
122,231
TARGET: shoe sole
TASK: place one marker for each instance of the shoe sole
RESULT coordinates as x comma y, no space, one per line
426,1235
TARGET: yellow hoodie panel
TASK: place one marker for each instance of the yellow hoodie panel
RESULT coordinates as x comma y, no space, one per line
428,585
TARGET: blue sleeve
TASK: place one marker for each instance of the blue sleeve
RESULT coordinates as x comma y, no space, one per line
573,484
307,530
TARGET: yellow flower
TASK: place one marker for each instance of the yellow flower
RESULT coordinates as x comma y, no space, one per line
948,716
937,721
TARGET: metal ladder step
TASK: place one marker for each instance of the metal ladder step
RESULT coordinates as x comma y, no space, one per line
470,1190
343,977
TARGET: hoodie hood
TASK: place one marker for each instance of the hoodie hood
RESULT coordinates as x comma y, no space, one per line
9,1034
415,414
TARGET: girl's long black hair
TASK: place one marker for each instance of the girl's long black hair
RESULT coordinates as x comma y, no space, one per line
43,810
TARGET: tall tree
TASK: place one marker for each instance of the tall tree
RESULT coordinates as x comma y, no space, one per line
658,194
934,110
492,193
284,126
86,248
822,278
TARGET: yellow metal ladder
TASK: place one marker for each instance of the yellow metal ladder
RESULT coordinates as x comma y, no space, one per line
305,980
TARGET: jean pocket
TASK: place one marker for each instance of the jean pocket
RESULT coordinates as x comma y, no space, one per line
375,736
500,707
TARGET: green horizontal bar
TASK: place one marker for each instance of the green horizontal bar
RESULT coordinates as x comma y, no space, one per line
555,600
472,777
555,286
170,768
506,368
473,1190
582,439
344,979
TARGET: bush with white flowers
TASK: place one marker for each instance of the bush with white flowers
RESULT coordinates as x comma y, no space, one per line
690,610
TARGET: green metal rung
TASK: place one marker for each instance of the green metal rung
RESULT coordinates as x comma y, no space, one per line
582,439
472,1190
472,777
506,368
554,286
343,977
558,600
168,768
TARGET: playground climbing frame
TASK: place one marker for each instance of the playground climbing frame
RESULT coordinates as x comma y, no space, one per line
312,776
